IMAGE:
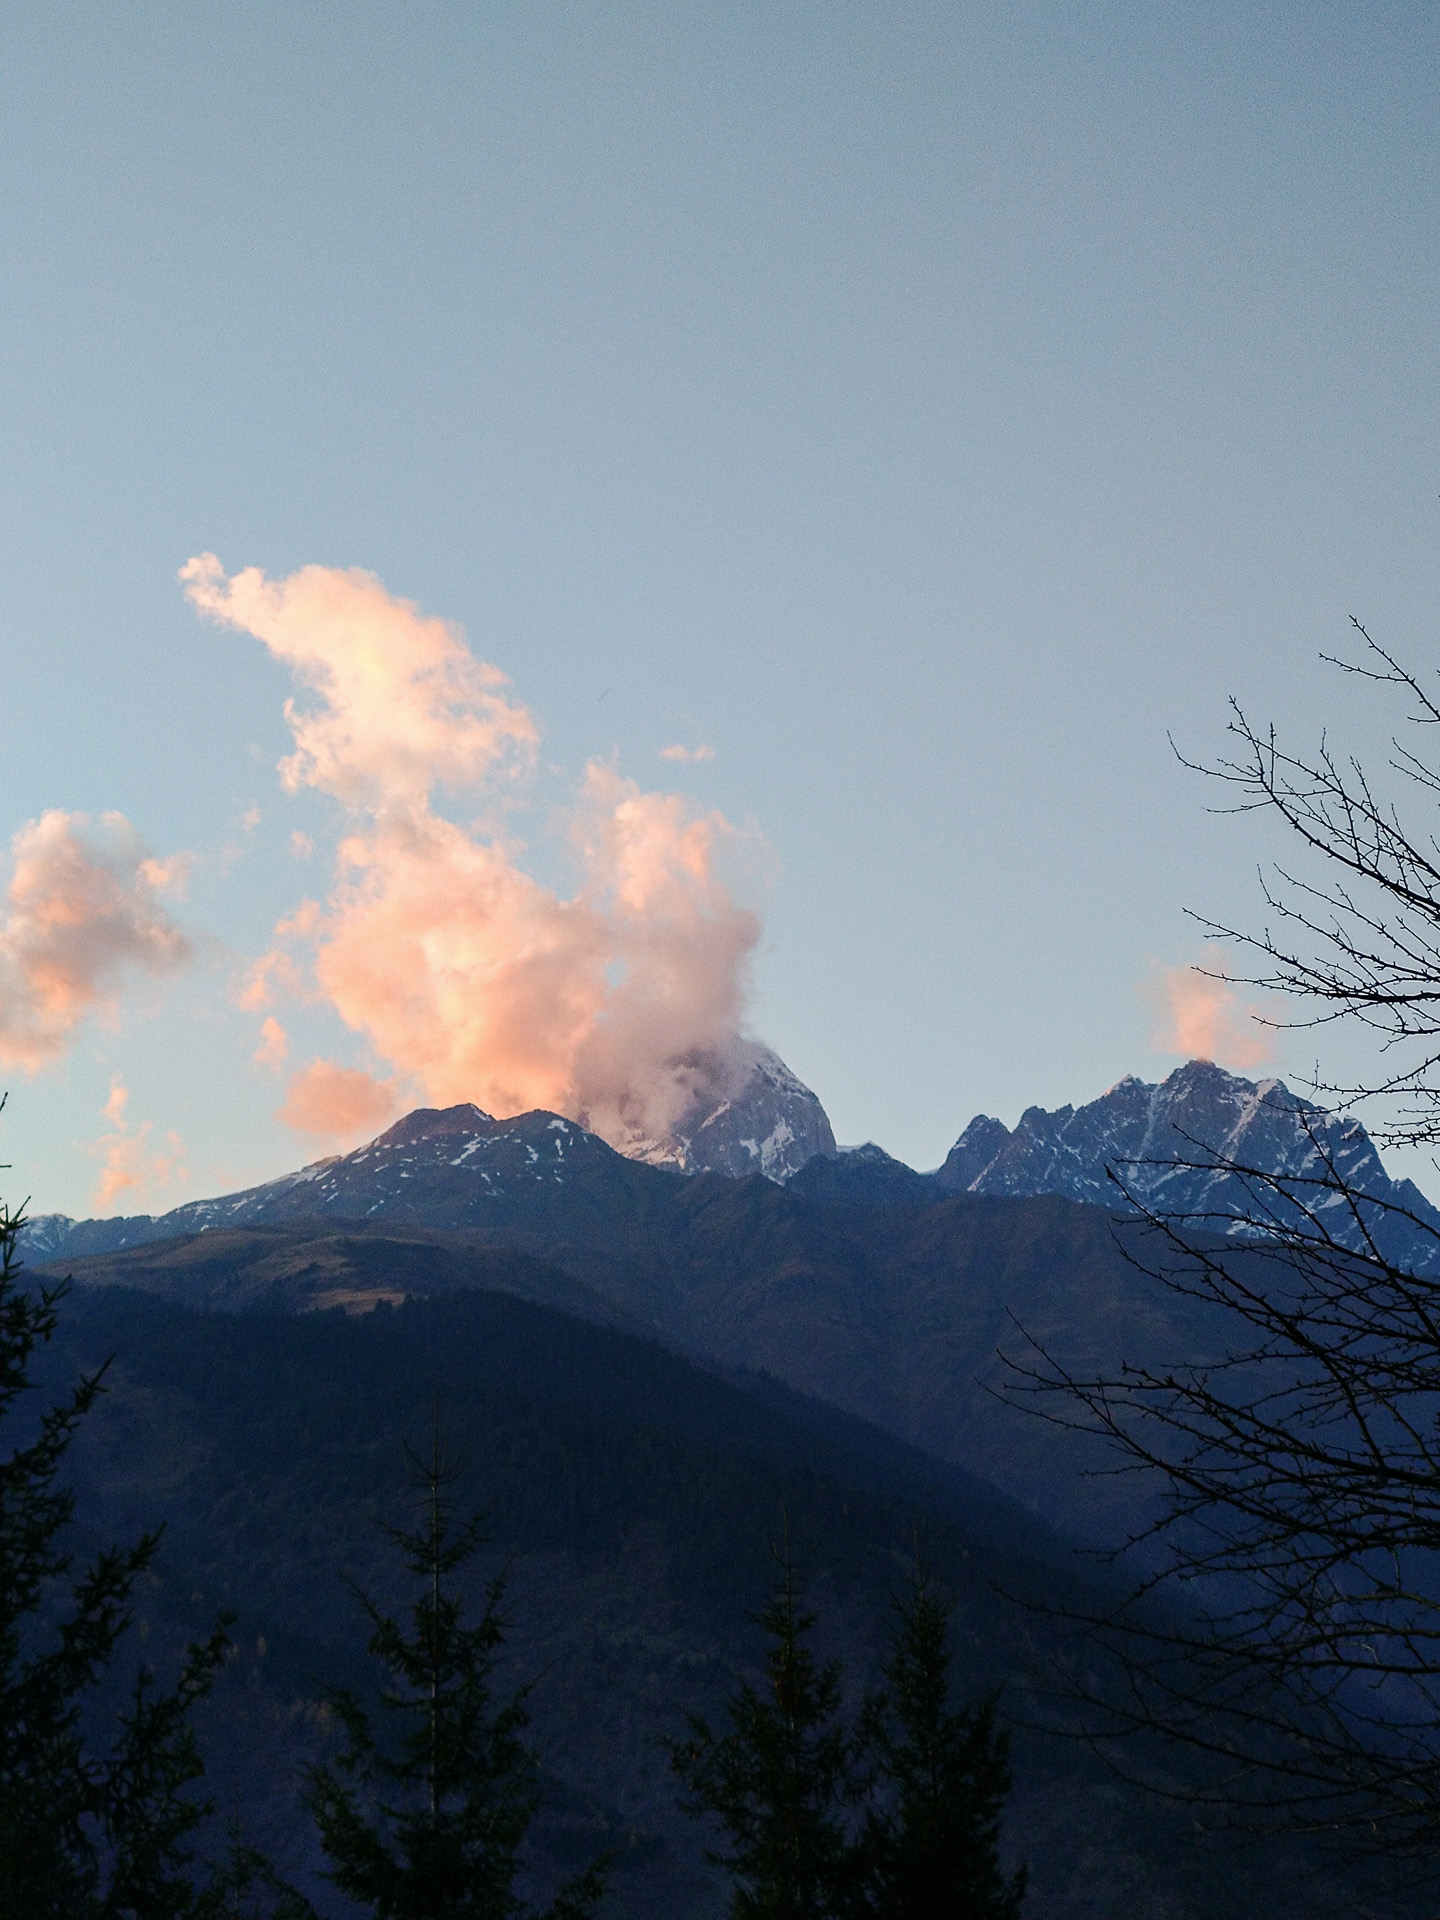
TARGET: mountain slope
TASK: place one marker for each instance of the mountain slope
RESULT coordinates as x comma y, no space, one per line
893,1314
859,1280
459,1168
633,1496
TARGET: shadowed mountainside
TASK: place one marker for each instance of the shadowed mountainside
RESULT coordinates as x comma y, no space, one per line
894,1314
859,1280
633,1498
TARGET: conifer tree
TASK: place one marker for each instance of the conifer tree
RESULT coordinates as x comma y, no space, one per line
430,1825
780,1781
929,1849
84,1835
897,1818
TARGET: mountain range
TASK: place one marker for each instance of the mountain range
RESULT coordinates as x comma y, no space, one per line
652,1358
899,1296
1183,1149
1178,1148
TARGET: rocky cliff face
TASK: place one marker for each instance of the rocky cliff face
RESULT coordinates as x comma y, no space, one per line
1174,1148
767,1121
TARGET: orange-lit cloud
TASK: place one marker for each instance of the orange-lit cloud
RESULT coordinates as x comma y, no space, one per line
274,976
482,985
687,753
129,1164
1204,1018
338,1103
403,705
82,912
274,1047
616,1005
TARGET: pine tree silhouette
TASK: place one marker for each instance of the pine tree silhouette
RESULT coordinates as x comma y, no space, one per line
930,1850
431,1825
780,1780
82,1833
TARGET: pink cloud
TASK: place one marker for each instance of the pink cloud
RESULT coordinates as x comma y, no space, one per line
482,985
687,753
114,1108
1203,1017
81,913
473,980
129,1164
274,976
338,1103
402,704
274,1047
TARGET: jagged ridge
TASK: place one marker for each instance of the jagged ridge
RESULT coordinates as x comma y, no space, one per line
1172,1149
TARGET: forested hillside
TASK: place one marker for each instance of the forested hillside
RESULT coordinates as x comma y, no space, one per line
893,1312
635,1497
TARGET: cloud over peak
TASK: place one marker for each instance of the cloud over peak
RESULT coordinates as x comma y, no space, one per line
617,1005
1199,1014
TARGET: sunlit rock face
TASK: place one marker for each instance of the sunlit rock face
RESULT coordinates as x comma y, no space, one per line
761,1119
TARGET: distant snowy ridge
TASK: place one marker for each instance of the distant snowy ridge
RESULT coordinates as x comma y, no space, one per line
1172,1148
458,1168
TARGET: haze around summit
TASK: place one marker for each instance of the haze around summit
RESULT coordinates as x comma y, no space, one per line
857,436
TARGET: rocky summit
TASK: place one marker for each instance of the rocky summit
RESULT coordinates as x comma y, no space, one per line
1182,1149
765,1121
460,1168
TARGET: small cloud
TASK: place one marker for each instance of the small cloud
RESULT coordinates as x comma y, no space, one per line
249,819
1199,1014
81,914
301,845
274,1044
168,876
302,923
687,753
114,1108
338,1103
271,978
129,1164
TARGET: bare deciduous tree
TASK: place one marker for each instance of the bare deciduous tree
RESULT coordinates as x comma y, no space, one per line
1286,1621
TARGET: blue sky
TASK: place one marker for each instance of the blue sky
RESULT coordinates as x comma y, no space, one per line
926,408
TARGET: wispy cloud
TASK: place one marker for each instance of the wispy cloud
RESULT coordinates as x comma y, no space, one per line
1198,1013
274,1047
82,912
687,753
130,1165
